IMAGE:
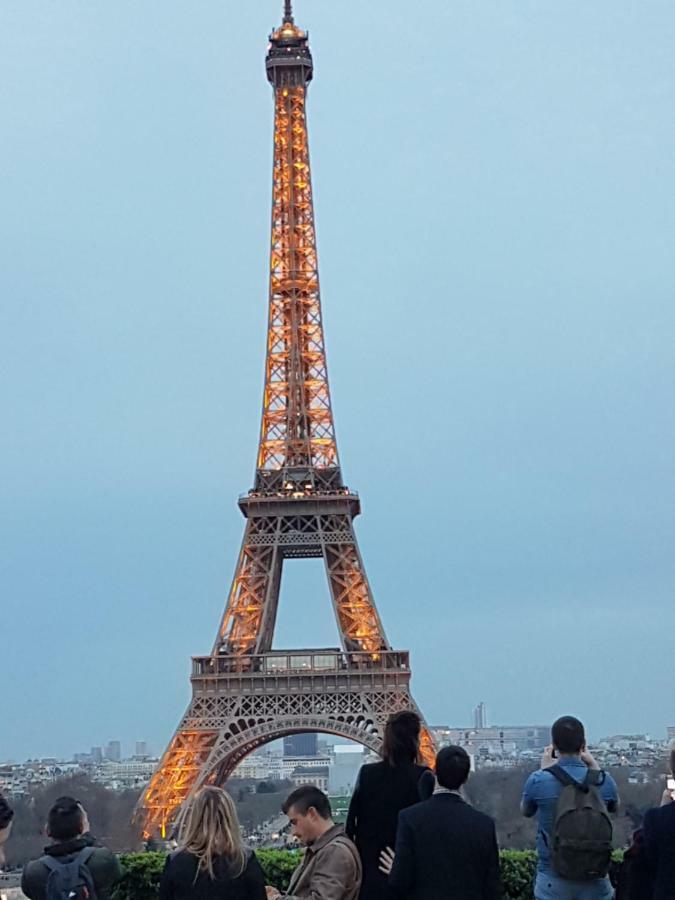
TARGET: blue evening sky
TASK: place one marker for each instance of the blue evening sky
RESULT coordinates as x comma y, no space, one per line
495,187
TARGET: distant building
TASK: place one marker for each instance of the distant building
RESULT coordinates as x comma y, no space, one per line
318,776
480,716
96,755
498,739
342,774
306,744
141,749
113,752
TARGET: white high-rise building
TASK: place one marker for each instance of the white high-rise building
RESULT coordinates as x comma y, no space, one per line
480,716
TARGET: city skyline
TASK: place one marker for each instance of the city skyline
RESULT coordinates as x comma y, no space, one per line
496,270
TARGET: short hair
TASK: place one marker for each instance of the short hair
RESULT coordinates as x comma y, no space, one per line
672,761
401,738
567,734
6,813
304,797
452,767
65,819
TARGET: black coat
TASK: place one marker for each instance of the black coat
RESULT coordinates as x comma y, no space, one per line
178,880
381,792
446,850
659,845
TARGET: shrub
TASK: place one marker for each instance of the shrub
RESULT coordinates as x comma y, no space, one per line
518,869
142,872
140,880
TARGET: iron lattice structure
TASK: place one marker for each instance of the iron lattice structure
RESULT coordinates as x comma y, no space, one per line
244,693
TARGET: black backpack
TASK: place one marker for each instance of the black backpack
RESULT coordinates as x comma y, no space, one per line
70,879
580,843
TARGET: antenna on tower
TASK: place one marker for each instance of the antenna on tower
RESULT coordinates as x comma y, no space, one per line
288,11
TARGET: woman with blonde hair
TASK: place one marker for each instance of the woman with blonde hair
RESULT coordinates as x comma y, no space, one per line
211,862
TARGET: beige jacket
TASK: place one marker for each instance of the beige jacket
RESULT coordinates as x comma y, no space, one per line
330,870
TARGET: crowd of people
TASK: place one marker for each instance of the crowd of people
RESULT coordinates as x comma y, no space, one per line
409,835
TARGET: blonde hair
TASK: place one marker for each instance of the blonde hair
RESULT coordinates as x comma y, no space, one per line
210,828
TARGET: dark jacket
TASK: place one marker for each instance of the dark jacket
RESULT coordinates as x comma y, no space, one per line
659,845
178,880
103,864
445,850
381,792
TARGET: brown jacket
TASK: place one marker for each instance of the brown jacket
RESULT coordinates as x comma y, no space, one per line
330,870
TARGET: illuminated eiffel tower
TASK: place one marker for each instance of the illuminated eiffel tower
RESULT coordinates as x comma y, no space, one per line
246,694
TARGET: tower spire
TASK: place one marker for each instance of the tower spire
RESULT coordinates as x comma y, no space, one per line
288,11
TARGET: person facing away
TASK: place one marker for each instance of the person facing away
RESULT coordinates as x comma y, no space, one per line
565,760
331,868
659,842
211,862
72,850
382,790
6,817
445,849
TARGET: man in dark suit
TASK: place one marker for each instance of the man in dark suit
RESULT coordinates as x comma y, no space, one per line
445,849
659,842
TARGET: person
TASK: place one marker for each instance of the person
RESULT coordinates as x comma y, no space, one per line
567,752
68,828
659,842
445,849
382,790
6,818
211,862
331,867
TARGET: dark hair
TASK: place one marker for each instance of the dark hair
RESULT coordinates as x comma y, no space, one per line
65,819
305,796
401,738
672,761
6,813
452,767
567,734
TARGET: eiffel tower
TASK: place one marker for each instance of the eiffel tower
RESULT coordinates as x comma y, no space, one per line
244,694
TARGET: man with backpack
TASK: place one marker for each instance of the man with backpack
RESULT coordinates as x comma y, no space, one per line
72,868
571,797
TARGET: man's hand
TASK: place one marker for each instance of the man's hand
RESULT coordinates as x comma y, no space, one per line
272,892
548,759
588,758
386,860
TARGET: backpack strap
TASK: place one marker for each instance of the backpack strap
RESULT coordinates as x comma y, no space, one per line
563,777
55,864
84,854
51,863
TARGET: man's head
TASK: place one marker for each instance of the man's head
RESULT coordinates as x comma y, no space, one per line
567,735
452,767
672,763
66,820
308,810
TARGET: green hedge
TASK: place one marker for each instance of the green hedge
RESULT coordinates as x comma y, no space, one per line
142,872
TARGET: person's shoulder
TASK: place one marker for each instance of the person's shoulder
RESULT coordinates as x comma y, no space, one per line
375,768
340,848
34,877
34,868
480,819
660,815
417,812
537,776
